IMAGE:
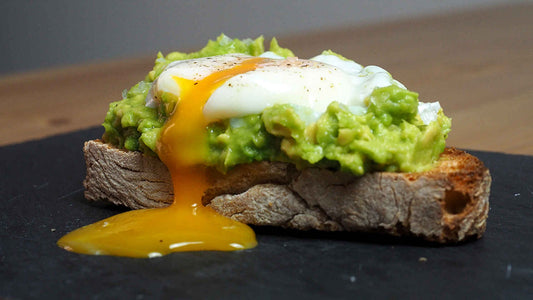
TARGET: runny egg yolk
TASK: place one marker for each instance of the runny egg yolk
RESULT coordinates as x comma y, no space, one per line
186,225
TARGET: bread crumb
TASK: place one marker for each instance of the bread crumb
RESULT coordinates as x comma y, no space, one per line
52,229
508,272
422,259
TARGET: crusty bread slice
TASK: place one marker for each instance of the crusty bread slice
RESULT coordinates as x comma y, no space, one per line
448,204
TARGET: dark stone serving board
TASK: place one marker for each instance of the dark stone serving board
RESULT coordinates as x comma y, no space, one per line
41,198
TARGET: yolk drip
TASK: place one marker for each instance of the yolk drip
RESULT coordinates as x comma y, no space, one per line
186,225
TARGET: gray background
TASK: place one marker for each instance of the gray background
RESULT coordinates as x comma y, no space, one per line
41,34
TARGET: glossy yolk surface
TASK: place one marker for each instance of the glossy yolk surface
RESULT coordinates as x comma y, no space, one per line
186,225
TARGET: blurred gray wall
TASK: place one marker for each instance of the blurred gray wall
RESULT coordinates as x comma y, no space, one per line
40,34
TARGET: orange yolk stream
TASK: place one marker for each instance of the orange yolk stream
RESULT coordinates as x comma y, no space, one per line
186,225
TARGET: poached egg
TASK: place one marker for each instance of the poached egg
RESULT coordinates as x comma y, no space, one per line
206,90
313,83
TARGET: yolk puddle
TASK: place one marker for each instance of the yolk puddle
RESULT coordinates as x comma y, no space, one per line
186,225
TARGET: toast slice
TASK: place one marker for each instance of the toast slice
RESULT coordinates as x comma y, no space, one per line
447,204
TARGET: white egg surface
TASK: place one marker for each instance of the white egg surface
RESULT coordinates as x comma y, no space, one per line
312,83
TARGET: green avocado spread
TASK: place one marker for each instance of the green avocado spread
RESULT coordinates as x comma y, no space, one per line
390,135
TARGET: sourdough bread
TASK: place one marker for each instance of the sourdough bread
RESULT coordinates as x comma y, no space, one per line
447,204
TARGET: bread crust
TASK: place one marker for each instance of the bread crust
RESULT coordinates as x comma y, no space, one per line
447,204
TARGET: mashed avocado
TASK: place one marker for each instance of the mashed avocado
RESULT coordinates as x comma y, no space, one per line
390,135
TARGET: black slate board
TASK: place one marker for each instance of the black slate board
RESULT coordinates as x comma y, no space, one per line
42,199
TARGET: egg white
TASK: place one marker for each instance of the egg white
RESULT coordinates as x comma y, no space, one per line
312,84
